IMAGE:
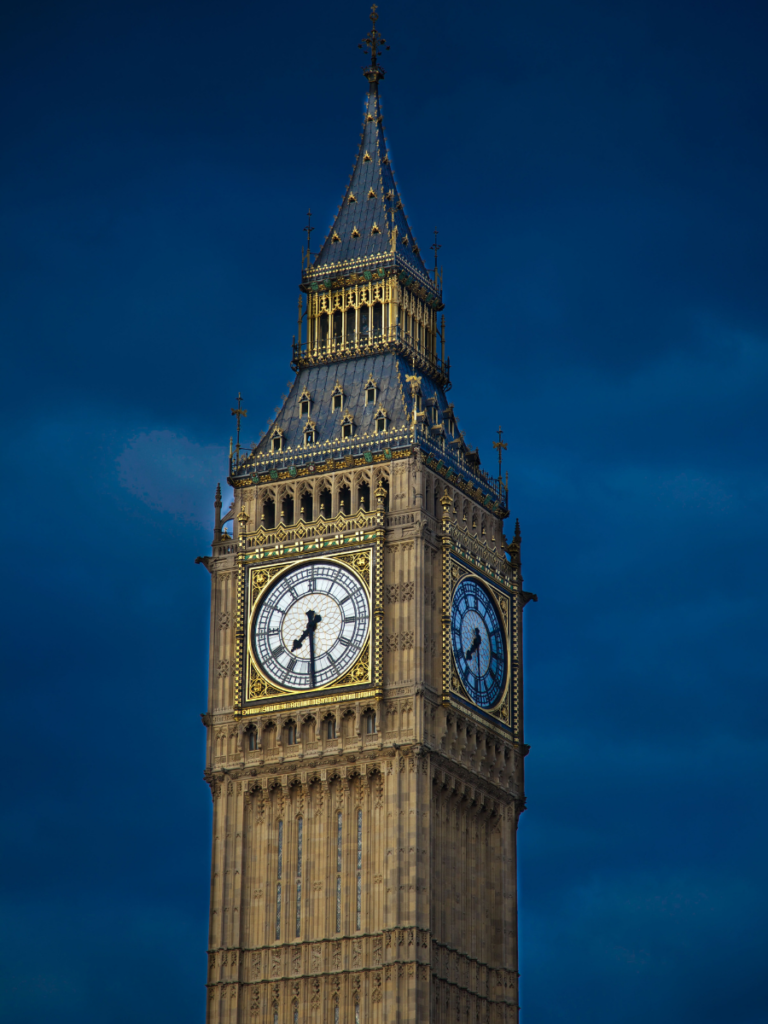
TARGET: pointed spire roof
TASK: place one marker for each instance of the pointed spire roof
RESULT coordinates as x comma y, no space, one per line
371,220
371,229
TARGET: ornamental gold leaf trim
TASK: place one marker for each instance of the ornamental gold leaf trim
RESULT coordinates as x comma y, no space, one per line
504,606
257,686
359,560
260,579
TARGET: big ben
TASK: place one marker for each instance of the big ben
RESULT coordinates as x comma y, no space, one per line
365,715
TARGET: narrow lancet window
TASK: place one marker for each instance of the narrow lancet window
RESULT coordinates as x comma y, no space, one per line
279,894
359,868
338,871
299,854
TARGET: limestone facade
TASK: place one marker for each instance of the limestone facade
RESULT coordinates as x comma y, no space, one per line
364,837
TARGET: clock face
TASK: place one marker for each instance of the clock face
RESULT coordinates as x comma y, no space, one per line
311,625
477,640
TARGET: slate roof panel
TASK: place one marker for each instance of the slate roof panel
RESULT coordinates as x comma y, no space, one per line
386,213
389,371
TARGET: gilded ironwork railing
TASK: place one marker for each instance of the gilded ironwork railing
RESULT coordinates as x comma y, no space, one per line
393,339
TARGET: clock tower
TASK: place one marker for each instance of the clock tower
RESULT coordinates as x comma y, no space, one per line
365,713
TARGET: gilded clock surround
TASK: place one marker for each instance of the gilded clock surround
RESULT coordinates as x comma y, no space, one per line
259,579
377,814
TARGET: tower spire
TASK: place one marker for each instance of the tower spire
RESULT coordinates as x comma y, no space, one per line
372,44
370,224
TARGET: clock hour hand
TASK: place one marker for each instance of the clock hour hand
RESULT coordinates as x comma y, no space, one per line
313,620
475,644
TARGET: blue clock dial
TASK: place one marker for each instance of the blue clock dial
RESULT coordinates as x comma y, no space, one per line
478,643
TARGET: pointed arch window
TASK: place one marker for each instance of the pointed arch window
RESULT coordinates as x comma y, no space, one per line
378,319
279,891
305,403
310,433
371,390
323,330
299,858
359,901
381,420
337,398
278,440
347,425
338,871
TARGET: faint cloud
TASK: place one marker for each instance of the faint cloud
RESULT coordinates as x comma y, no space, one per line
173,474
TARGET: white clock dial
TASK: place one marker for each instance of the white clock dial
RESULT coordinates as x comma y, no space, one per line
311,625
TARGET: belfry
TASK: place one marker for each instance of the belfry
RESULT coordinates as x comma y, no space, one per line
365,714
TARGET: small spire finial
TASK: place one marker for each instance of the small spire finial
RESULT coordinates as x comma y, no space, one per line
309,229
239,412
373,44
500,446
435,248
517,530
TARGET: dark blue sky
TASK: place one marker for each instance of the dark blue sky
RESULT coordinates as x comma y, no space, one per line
598,174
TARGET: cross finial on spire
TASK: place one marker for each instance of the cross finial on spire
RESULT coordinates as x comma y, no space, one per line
373,43
239,412
500,446
309,229
435,249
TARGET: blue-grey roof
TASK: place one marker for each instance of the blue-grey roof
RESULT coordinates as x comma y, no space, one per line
388,371
372,173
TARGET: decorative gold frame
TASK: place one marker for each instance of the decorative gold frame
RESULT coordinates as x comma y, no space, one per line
260,578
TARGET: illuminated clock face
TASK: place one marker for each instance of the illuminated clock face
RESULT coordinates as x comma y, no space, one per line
479,647
311,625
